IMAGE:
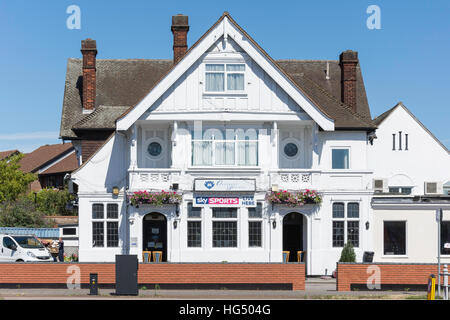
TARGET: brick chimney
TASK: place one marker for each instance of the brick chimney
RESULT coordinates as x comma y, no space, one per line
348,62
89,51
180,28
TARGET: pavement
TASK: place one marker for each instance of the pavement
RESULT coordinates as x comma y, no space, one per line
315,288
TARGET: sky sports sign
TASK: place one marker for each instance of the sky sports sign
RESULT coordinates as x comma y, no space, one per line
241,201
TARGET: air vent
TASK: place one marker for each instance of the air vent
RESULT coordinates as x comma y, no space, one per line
380,185
433,188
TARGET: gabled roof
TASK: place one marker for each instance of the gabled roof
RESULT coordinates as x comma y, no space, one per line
7,154
68,164
379,120
43,156
125,83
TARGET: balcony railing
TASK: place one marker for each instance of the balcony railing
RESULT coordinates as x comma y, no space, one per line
158,179
294,179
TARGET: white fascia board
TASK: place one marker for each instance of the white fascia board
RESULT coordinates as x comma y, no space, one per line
128,120
224,28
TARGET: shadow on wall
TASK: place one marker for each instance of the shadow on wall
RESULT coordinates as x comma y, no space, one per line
116,174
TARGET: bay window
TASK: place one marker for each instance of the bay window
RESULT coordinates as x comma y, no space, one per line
225,152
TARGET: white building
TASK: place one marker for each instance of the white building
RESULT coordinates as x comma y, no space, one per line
222,125
411,166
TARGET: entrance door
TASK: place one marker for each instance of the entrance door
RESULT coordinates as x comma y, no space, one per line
154,233
293,234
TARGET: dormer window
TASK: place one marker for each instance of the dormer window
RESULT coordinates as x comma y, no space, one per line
224,77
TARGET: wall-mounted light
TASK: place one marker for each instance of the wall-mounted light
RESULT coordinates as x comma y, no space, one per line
175,223
274,224
367,225
275,188
115,191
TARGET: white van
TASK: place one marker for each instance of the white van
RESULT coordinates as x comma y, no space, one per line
22,248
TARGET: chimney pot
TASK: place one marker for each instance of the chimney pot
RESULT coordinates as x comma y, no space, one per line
180,28
348,62
89,52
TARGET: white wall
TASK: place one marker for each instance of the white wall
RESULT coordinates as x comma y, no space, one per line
425,159
421,233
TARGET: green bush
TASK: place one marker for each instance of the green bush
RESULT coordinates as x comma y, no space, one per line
13,182
348,253
21,213
52,201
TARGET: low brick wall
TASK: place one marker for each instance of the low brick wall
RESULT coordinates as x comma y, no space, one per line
392,275
289,275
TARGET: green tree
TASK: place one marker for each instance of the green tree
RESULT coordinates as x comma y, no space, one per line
52,201
21,213
13,182
348,253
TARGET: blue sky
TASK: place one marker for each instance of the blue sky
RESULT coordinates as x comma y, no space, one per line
406,60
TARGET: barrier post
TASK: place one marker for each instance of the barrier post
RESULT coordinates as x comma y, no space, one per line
431,287
445,282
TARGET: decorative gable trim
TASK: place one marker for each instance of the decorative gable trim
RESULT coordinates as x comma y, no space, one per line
227,27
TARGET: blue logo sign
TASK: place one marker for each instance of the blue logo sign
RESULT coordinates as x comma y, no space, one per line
209,184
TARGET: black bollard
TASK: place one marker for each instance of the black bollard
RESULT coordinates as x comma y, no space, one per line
93,284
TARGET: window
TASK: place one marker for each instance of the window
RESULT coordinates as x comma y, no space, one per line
97,211
69,231
290,149
400,190
228,152
8,242
154,149
394,237
340,158
225,229
194,226
338,233
98,235
345,224
255,226
216,75
111,224
194,234
445,237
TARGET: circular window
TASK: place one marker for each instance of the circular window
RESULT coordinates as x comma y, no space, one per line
290,149
154,149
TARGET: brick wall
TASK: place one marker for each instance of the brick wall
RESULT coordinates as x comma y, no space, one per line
164,273
391,274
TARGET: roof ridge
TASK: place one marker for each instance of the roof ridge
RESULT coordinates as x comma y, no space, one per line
306,60
343,105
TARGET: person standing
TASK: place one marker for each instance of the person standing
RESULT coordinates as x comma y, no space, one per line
61,250
54,250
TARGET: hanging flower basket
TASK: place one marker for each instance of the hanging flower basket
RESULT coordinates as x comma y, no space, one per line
294,199
154,198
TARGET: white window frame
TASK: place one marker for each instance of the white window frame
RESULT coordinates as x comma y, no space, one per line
236,153
346,219
225,72
406,240
194,219
255,219
225,220
105,221
349,156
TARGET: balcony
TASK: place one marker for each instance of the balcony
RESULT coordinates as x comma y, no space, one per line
294,179
149,179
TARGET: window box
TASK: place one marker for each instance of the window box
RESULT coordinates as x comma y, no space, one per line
296,199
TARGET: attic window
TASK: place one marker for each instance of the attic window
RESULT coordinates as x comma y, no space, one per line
224,77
